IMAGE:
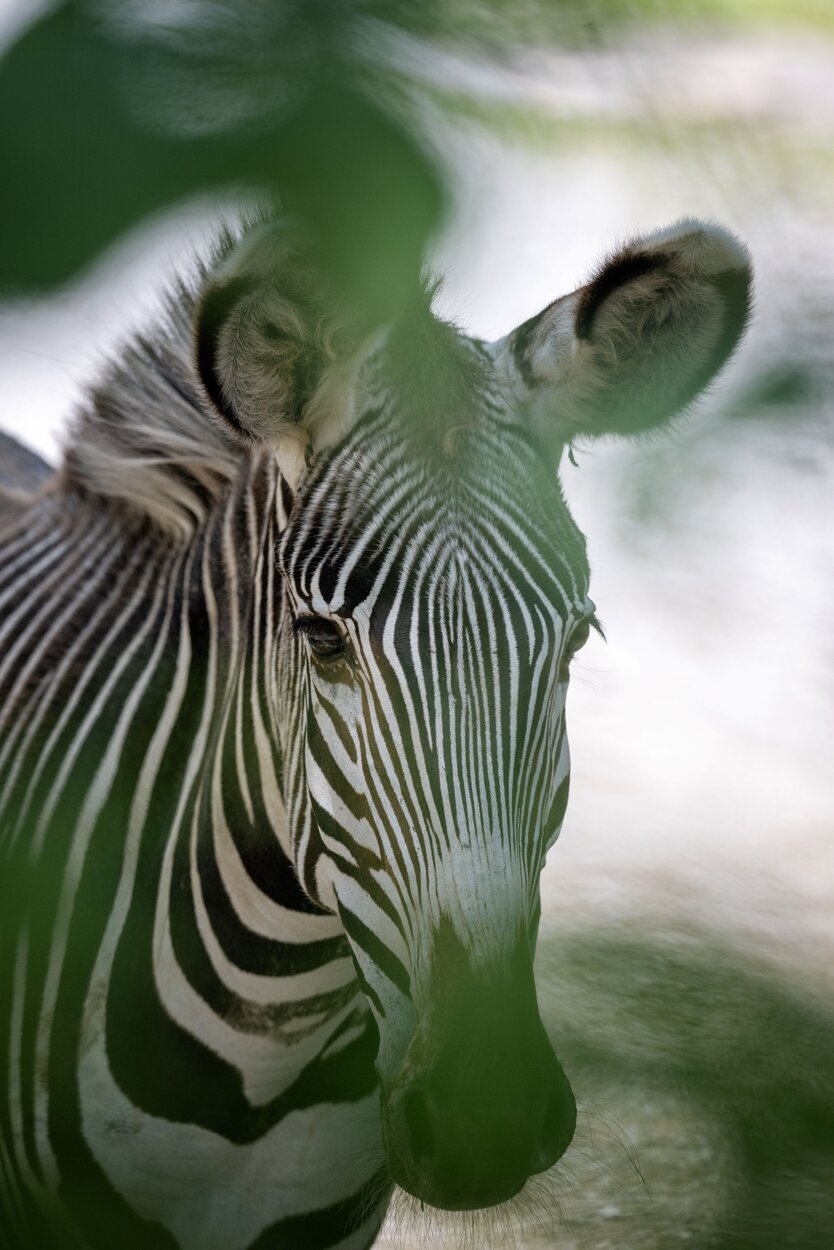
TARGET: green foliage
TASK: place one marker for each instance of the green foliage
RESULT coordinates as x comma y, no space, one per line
111,112
105,119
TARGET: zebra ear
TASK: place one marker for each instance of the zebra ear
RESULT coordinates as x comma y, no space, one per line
277,361
639,341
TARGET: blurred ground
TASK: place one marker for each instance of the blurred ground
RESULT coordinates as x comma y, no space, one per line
688,942
706,1099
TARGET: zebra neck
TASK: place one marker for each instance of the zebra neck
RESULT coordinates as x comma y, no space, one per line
179,1018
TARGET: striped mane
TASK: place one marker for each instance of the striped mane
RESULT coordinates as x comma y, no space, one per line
144,434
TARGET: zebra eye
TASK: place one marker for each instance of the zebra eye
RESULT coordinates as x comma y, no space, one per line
579,637
323,636
576,642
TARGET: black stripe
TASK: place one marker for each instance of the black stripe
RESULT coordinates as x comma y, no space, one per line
316,1230
385,960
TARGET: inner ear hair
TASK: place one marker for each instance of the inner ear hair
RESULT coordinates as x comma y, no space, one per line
212,315
641,339
269,341
618,271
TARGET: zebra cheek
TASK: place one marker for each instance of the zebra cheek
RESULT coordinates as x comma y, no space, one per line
324,883
327,819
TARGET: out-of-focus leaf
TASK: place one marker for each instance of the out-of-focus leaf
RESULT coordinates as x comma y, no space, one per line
88,153
113,109
77,168
361,186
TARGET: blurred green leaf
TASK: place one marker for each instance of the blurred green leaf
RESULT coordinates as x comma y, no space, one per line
100,125
112,111
79,169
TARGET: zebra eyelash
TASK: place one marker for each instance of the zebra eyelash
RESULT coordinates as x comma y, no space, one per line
581,632
303,625
576,641
325,639
596,625
310,623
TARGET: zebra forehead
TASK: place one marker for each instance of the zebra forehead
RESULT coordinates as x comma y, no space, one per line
427,560
378,516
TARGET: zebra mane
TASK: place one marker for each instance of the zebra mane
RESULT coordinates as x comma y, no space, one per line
148,437
144,434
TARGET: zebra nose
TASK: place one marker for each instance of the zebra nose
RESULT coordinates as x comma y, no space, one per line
474,1147
558,1124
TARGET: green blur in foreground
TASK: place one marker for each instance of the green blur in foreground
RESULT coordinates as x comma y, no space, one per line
106,117
691,1058
112,112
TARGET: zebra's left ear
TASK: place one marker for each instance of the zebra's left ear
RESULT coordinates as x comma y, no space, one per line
636,344
276,358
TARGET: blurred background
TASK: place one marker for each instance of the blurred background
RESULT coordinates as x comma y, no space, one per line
687,953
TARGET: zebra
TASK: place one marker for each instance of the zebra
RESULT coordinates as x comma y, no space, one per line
285,646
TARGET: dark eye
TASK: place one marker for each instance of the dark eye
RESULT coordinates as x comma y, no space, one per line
577,640
324,637
579,637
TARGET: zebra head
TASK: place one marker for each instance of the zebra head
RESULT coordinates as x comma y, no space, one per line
435,589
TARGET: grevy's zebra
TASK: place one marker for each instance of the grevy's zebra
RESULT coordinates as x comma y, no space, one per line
283,749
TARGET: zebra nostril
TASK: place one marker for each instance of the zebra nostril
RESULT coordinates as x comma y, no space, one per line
418,1123
557,1128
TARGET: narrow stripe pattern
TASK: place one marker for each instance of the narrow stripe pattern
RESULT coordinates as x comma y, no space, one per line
430,771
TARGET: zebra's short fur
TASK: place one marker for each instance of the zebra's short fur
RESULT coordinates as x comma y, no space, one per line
284,650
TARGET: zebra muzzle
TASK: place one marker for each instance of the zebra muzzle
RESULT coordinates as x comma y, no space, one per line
481,1102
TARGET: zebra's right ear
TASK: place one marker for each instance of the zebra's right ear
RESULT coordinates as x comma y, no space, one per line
635,345
276,360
